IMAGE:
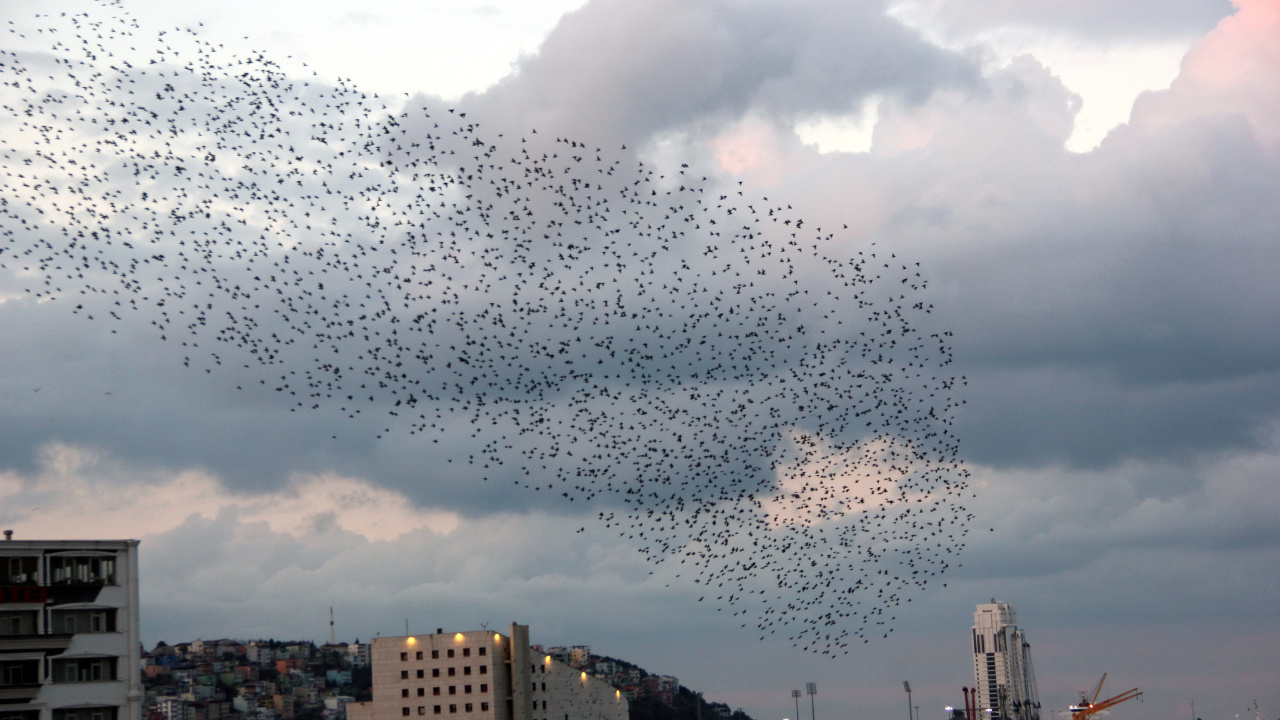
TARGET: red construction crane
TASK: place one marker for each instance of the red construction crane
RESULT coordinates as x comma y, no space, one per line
1090,707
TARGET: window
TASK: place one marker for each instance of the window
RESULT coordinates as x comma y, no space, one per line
482,654
544,687
453,708
466,652
421,673
453,671
435,672
422,692
544,704
484,687
22,622
450,652
97,669
404,692
422,709
466,670
535,687
484,669
404,711
435,654
484,707
435,691
404,674
468,707
404,656
20,714
453,689
436,710
420,657
466,689
20,570
19,672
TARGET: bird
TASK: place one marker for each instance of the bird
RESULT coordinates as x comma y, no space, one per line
733,391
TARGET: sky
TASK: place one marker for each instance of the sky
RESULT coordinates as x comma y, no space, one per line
1088,187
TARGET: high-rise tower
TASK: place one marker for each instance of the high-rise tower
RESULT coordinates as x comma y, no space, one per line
1003,675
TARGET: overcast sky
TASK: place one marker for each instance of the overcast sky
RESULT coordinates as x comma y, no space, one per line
1089,187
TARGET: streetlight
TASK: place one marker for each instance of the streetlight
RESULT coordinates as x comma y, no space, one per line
812,689
907,686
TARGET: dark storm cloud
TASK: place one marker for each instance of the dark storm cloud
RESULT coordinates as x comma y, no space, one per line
618,71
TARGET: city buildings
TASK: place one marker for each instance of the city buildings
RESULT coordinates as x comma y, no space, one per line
69,642
481,675
1003,675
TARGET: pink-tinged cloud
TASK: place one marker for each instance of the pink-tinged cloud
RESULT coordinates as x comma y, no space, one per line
1235,69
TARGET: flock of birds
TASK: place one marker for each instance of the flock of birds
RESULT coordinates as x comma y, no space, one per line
736,398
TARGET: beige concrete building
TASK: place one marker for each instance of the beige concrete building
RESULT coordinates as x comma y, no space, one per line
1002,671
480,675
69,642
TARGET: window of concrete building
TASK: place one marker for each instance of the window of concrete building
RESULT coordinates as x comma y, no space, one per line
453,689
21,570
422,692
20,622
544,704
435,672
422,709
484,687
404,711
404,674
482,652
484,707
466,670
484,669
404,657
453,671
435,691
436,710
86,713
450,652
535,687
404,692
422,673
466,652
95,669
419,655
466,689
19,672
435,654
453,708
544,687
468,707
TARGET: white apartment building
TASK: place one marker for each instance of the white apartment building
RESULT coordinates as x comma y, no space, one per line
480,675
69,642
1003,675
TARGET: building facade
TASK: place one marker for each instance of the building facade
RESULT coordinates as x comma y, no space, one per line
480,675
1003,675
69,640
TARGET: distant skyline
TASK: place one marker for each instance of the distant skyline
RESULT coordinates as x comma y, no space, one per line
1090,188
